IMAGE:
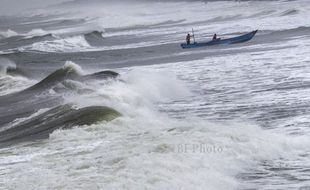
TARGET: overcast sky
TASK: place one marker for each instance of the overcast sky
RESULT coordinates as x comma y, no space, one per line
15,6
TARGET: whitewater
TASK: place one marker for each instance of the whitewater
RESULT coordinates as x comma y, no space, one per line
100,95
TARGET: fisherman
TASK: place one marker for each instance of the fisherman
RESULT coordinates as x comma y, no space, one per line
188,39
214,37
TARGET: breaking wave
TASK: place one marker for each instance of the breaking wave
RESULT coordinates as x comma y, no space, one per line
7,34
94,38
33,33
70,44
36,33
6,66
60,117
46,94
149,142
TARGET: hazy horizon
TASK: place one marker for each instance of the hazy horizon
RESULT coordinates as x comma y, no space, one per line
10,7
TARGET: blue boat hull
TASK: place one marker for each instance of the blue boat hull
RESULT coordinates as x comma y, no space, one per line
238,39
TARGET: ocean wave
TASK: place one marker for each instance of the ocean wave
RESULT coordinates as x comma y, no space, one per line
225,18
36,32
67,72
6,65
12,78
60,117
100,75
11,84
70,71
70,44
290,12
262,13
7,34
94,38
33,33
39,96
14,43
46,93
164,139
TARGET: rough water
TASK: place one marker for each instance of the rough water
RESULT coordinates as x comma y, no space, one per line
100,95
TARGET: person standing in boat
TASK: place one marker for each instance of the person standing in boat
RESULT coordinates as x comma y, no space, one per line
214,37
188,39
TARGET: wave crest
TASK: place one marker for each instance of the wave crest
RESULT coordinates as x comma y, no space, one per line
7,34
60,117
94,38
6,65
36,33
70,44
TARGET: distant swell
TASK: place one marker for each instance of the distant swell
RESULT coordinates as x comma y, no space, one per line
290,12
226,18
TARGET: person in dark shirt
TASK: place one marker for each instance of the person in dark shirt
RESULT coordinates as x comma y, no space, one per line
188,39
214,37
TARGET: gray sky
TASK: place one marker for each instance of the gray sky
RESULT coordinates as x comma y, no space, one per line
16,6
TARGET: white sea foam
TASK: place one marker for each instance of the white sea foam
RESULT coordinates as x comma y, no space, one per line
70,44
77,68
36,32
10,83
8,33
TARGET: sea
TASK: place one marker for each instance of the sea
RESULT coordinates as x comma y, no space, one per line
99,94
